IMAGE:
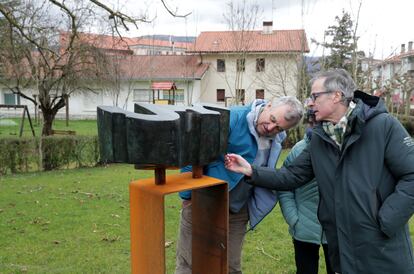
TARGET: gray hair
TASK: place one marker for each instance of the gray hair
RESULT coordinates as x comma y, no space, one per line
295,112
337,80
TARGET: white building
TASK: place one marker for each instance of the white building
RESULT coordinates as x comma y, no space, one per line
219,66
250,64
395,68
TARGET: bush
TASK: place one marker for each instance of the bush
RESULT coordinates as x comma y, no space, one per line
19,154
409,126
293,136
51,152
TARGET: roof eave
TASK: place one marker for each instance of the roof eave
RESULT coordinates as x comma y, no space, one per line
257,51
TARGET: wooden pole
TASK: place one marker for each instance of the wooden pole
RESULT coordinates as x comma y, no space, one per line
35,108
22,123
30,120
67,109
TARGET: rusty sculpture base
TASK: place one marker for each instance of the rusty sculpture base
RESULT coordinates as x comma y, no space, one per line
210,223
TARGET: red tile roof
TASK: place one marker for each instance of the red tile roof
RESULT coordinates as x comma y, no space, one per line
116,43
162,67
255,41
100,41
163,85
397,58
159,43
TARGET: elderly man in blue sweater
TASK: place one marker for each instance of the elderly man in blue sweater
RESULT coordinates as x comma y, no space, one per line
256,132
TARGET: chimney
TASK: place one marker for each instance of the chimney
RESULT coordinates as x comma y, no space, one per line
410,46
267,27
402,48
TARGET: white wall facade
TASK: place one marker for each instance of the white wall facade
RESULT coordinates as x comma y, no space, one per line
83,104
278,78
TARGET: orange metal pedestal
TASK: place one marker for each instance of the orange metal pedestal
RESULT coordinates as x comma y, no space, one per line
210,223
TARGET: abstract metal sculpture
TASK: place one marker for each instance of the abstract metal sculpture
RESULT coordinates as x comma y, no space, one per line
160,137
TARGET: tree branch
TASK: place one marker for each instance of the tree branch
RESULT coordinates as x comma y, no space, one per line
173,13
122,17
7,13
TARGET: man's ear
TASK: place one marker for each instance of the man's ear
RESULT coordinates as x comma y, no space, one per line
338,97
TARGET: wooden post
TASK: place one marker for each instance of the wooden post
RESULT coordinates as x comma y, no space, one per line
35,108
22,122
30,120
67,108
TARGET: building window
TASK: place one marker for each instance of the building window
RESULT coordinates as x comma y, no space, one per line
11,98
143,95
240,95
259,93
260,64
241,64
221,65
220,95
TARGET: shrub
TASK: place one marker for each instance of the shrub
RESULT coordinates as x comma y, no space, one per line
293,136
51,152
409,126
18,154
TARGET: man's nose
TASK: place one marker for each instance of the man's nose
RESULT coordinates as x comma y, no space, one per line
271,127
310,104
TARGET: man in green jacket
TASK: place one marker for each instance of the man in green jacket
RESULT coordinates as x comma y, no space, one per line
363,161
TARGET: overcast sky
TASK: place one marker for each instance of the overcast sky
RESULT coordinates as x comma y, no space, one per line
383,25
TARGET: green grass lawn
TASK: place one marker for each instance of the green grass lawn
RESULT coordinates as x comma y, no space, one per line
82,127
77,221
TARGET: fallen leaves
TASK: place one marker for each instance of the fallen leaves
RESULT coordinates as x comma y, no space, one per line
111,239
39,221
168,244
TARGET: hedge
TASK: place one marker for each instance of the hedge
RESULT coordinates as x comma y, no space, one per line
409,126
47,153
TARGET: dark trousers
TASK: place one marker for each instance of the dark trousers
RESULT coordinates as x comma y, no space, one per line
307,257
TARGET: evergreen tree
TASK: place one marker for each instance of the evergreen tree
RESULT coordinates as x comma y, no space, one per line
342,43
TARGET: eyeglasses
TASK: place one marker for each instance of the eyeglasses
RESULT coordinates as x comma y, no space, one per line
315,95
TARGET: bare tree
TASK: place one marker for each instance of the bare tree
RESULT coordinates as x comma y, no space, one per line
110,76
388,88
35,54
281,76
366,80
241,18
355,38
406,86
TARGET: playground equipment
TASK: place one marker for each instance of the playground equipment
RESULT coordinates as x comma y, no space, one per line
159,137
25,112
163,86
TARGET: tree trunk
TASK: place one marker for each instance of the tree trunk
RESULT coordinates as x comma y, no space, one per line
47,156
47,123
407,103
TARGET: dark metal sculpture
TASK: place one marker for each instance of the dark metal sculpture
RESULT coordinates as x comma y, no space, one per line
162,136
159,137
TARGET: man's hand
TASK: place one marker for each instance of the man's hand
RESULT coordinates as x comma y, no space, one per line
236,163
